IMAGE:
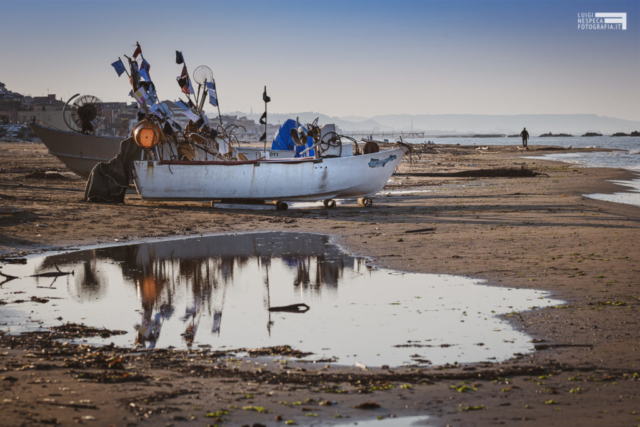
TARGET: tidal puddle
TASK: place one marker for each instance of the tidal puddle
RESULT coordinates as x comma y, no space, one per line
630,198
216,291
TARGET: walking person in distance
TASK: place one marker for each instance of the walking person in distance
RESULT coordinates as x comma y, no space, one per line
525,137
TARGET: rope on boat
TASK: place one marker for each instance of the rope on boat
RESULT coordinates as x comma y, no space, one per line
411,152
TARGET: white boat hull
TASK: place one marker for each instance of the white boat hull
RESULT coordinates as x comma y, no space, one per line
284,180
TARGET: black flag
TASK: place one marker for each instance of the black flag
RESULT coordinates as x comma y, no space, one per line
185,82
263,118
200,123
179,58
167,129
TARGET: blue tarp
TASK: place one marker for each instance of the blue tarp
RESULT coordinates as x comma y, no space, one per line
282,140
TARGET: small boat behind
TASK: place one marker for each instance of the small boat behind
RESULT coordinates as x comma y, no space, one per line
79,152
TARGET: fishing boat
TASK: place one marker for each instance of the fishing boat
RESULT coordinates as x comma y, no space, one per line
205,162
278,181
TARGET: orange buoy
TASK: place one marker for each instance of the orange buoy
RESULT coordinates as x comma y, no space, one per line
146,134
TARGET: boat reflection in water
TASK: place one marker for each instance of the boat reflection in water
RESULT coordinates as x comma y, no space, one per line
195,274
215,292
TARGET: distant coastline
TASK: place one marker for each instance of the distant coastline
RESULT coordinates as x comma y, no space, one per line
556,135
634,133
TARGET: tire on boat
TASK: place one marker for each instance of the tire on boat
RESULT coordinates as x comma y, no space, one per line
365,202
281,206
330,203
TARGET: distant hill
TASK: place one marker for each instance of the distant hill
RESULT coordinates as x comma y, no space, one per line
309,116
434,124
535,123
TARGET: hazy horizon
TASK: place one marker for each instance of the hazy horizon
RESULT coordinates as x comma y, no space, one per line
466,123
357,58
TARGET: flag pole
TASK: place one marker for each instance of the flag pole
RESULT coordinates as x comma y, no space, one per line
265,122
218,102
198,97
150,81
189,78
145,107
204,95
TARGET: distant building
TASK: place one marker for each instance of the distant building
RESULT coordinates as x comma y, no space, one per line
114,114
45,110
10,103
119,117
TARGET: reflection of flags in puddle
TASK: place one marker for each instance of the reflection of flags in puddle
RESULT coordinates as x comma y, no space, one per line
189,312
194,313
148,331
226,267
217,319
189,334
290,262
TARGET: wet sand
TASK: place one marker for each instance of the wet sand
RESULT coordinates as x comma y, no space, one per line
524,232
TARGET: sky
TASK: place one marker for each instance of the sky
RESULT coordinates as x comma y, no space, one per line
341,58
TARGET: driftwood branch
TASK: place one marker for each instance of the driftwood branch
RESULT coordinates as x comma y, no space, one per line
54,273
72,405
293,308
7,278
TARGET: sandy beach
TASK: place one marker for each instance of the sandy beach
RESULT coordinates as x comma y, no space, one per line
489,214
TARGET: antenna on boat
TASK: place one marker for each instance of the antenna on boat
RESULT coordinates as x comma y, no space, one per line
202,75
263,118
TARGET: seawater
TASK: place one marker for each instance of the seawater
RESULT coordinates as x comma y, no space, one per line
215,292
628,157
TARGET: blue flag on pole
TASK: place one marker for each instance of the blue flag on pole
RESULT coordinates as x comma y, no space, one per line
213,96
144,70
119,67
180,103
